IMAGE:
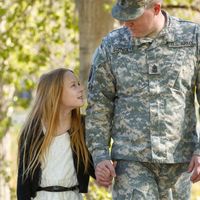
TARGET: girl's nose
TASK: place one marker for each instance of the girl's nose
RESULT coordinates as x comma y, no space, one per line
81,88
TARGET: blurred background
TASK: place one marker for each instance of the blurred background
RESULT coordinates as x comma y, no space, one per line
39,35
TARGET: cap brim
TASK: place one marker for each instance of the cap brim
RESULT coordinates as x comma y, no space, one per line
126,14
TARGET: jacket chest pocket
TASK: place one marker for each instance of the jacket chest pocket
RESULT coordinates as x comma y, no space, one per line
131,76
179,74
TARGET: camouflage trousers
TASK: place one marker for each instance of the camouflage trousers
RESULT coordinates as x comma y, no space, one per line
151,181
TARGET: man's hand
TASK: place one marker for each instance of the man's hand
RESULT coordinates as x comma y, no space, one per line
195,167
105,171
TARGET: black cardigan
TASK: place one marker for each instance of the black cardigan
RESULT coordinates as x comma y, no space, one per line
27,189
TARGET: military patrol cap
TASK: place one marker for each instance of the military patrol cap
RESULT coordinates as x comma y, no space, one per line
125,10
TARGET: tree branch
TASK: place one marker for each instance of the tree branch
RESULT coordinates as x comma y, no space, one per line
170,6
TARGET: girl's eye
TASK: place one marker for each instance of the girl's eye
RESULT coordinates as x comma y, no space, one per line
73,85
79,83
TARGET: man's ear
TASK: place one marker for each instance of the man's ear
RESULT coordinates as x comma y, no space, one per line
157,8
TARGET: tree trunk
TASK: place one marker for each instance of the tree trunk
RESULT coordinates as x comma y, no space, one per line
94,23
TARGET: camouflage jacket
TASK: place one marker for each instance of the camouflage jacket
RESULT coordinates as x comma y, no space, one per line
141,94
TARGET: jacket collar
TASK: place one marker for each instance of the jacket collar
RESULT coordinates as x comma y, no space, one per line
166,33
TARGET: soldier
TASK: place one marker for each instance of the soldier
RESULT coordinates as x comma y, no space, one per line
141,94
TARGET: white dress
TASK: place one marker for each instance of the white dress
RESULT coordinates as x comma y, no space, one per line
59,171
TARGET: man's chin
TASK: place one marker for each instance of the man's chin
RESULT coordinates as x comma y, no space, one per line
137,35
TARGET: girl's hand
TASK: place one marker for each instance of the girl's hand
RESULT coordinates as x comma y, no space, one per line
105,171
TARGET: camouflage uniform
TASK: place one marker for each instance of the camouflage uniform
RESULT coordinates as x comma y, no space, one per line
141,94
151,181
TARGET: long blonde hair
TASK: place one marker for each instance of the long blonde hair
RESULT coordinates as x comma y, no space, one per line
33,143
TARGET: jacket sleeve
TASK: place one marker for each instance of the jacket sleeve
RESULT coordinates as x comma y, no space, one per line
91,167
23,186
99,113
197,149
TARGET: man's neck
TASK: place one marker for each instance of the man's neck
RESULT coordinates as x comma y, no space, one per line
159,25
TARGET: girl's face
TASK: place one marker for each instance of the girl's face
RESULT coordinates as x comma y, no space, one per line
72,94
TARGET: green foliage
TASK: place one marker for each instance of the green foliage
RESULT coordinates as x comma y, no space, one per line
108,6
4,123
178,2
186,9
35,36
3,172
98,193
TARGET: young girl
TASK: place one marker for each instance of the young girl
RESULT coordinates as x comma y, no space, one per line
54,163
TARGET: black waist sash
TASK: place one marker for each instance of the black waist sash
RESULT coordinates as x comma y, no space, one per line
58,188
